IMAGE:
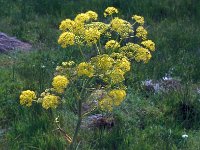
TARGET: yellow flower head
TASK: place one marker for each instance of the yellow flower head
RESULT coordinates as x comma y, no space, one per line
123,64
67,25
113,98
109,11
143,54
103,62
106,103
93,15
66,38
79,29
122,27
60,83
138,19
129,50
85,68
82,17
112,44
92,35
132,47
50,101
149,44
118,96
117,55
27,97
141,32
102,27
116,76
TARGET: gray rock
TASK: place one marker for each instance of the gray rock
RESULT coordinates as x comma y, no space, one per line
8,43
165,85
98,121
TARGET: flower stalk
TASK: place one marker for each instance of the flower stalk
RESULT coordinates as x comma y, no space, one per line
78,125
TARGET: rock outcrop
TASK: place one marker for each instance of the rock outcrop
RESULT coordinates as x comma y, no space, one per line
8,43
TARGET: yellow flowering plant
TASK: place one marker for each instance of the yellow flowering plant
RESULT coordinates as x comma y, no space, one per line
99,78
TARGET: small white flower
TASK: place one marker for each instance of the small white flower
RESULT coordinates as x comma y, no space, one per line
167,78
184,136
43,66
56,120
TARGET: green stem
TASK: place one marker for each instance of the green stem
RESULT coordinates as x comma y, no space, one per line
133,23
120,40
97,49
112,17
82,53
100,46
77,125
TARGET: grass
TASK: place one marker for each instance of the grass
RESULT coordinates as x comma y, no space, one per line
156,122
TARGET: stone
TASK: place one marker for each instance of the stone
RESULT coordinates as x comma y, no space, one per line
8,43
98,121
167,84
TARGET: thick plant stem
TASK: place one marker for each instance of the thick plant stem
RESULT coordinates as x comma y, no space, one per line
75,133
77,125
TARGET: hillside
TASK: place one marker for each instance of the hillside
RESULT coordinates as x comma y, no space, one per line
162,104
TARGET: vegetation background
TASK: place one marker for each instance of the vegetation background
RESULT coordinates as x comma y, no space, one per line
146,120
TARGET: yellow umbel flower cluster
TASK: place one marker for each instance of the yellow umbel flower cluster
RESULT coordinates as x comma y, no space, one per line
149,44
109,11
118,96
66,38
102,62
138,19
92,35
141,32
102,27
92,15
79,30
106,104
85,68
123,64
113,98
137,52
116,75
122,27
129,50
143,54
83,17
50,101
67,25
60,83
74,31
112,44
27,97
111,70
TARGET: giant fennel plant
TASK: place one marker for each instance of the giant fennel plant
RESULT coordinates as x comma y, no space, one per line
100,79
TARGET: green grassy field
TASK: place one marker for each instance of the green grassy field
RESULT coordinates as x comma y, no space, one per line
145,120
